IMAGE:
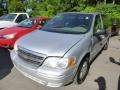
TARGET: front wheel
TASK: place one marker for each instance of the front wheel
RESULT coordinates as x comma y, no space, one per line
83,70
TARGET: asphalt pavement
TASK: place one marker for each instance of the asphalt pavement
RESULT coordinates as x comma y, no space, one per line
104,72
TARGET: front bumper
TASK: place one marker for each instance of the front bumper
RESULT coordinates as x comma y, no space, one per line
47,79
7,43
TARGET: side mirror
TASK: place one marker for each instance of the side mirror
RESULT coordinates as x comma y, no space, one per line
100,32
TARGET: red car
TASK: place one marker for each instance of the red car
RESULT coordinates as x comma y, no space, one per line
8,36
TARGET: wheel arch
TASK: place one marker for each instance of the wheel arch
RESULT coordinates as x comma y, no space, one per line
84,56
80,61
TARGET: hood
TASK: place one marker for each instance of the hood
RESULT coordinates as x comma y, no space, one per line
12,30
49,43
4,24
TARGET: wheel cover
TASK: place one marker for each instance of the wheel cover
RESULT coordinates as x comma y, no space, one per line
83,70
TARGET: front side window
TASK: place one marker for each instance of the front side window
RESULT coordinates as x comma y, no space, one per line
71,23
21,18
28,23
9,17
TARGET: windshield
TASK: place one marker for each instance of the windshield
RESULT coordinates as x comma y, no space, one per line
2,17
71,23
27,23
9,17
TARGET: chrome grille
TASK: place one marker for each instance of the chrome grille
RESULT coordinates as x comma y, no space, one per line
31,57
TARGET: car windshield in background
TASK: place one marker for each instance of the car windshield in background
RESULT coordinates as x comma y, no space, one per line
71,23
2,17
9,17
28,23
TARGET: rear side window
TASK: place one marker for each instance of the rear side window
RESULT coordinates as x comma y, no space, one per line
106,21
21,18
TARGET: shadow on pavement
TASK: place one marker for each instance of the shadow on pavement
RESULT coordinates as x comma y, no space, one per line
5,63
114,61
101,83
118,63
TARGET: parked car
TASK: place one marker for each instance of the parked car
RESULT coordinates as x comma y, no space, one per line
9,36
12,19
61,52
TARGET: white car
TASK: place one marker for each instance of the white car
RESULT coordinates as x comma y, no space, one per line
12,19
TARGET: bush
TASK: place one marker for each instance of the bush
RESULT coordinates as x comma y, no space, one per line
111,11
47,8
16,6
89,9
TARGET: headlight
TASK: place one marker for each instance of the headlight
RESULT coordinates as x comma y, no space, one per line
9,36
56,62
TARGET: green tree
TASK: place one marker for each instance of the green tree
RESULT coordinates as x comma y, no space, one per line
1,11
15,6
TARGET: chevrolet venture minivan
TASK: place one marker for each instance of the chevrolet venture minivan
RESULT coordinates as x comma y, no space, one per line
61,52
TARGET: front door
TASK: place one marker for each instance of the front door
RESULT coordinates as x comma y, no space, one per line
97,39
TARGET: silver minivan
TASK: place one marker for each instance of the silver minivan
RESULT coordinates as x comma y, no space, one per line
60,53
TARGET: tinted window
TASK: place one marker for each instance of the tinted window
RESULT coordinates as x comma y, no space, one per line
106,21
21,18
71,23
28,23
9,17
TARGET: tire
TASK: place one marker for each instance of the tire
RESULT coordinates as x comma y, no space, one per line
81,75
